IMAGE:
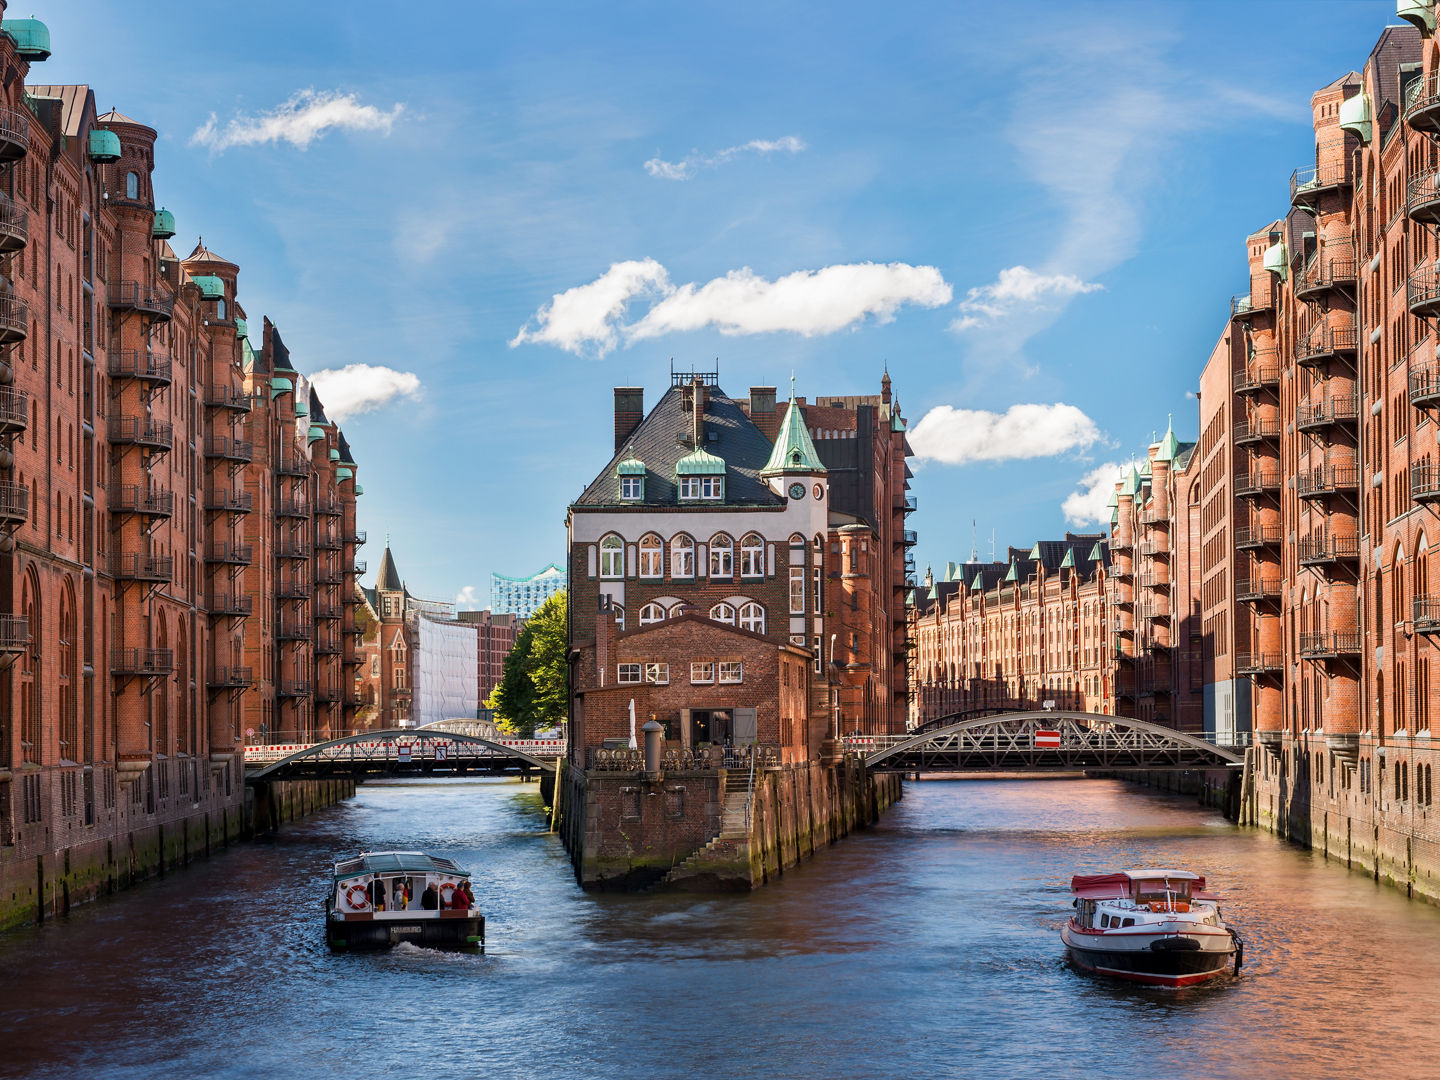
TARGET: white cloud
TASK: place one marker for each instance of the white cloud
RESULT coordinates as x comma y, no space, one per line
688,166
806,302
468,599
361,388
588,315
299,121
1089,503
1017,289
960,436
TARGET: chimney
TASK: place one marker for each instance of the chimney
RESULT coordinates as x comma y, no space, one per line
629,411
697,415
762,410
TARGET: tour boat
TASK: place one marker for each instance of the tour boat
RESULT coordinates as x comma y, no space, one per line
1157,927
380,898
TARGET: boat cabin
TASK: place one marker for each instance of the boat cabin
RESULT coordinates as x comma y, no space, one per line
1116,901
390,882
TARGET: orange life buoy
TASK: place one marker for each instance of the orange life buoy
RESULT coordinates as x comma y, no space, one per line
445,900
1172,905
363,904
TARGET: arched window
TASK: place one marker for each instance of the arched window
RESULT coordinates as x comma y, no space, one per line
220,309
682,557
652,558
612,557
722,556
651,613
752,556
676,610
132,185
752,617
723,613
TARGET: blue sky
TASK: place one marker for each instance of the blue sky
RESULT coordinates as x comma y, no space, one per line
1011,204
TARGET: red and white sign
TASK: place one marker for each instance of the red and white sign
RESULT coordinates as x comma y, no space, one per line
402,753
439,751
1047,740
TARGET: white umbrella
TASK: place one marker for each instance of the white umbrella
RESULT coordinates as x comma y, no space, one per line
633,744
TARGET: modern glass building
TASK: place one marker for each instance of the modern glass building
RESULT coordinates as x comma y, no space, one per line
522,595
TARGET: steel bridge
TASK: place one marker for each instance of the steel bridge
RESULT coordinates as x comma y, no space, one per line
400,752
1051,741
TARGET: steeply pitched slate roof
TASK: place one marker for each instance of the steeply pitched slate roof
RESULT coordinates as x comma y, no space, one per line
794,451
280,355
663,438
387,577
72,105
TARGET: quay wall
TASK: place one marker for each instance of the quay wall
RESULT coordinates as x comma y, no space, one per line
630,831
1376,815
36,885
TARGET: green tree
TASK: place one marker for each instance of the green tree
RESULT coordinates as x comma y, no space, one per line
534,687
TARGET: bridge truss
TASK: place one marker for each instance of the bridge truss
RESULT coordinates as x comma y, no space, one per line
402,752
1047,742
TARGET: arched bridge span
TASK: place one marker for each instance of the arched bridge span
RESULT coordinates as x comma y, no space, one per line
1047,742
400,752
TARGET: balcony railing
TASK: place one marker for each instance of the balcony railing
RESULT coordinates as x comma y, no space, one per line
14,504
1425,388
1427,614
229,397
1325,340
297,508
328,508
294,688
230,678
1425,483
1321,548
227,499
292,590
1257,377
234,554
1422,197
1259,663
133,566
294,630
1257,483
327,646
1330,644
135,499
1249,431
14,134
1256,536
357,537
1157,608
1261,297
1313,416
137,296
14,634
142,661
1310,181
224,448
1325,272
141,431
1422,103
14,410
1253,589
328,542
327,609
14,320
360,567
1422,291
293,467
329,575
14,225
292,549
223,603
134,364
1327,480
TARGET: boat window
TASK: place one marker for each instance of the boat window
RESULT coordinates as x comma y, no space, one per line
1128,922
1160,890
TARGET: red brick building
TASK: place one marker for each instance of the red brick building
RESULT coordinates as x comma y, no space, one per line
495,634
139,525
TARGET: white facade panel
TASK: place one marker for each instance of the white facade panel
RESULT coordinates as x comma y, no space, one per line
447,682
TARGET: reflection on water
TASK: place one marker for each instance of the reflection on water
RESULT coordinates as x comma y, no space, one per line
927,946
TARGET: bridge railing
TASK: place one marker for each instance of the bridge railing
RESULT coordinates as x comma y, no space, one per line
713,759
402,747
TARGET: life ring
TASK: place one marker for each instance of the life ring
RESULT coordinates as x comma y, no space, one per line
363,904
445,900
1174,905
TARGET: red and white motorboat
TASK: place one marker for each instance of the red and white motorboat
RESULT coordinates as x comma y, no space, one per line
1157,927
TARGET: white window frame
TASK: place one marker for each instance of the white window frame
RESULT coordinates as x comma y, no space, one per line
752,556
754,614
797,590
719,612
722,556
652,559
657,674
702,671
690,488
712,488
632,488
651,613
628,674
612,559
730,672
682,557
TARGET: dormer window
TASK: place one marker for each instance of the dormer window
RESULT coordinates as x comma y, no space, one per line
700,477
631,472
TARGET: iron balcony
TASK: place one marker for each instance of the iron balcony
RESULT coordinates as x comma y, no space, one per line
1257,483
1250,431
227,499
233,554
327,646
357,537
293,467
1256,378
1427,614
141,431
1257,536
1422,197
296,508
230,678
293,590
1425,483
294,688
1259,663
1330,644
1155,549
1317,415
136,499
1260,298
1309,182
1422,104
224,448
14,410
294,630
1323,273
1119,543
1424,387
326,695
230,604
1327,480
229,397
328,508
1257,589
14,226
1325,340
133,566
327,610
14,634
292,549
14,134
142,661
137,296
134,364
329,575
1117,572
327,542
1322,549
14,320
1422,291
360,566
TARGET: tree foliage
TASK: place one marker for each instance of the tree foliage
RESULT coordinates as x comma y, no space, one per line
534,687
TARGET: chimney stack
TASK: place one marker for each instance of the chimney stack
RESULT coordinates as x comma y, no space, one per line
762,410
629,411
697,415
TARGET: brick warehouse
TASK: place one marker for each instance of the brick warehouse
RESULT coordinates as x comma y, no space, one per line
169,503
738,571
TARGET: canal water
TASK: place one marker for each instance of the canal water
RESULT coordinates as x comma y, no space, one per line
925,947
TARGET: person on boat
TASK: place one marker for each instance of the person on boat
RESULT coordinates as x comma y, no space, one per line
458,900
401,895
430,899
377,894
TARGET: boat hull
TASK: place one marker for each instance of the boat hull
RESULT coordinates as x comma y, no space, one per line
1155,960
445,930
